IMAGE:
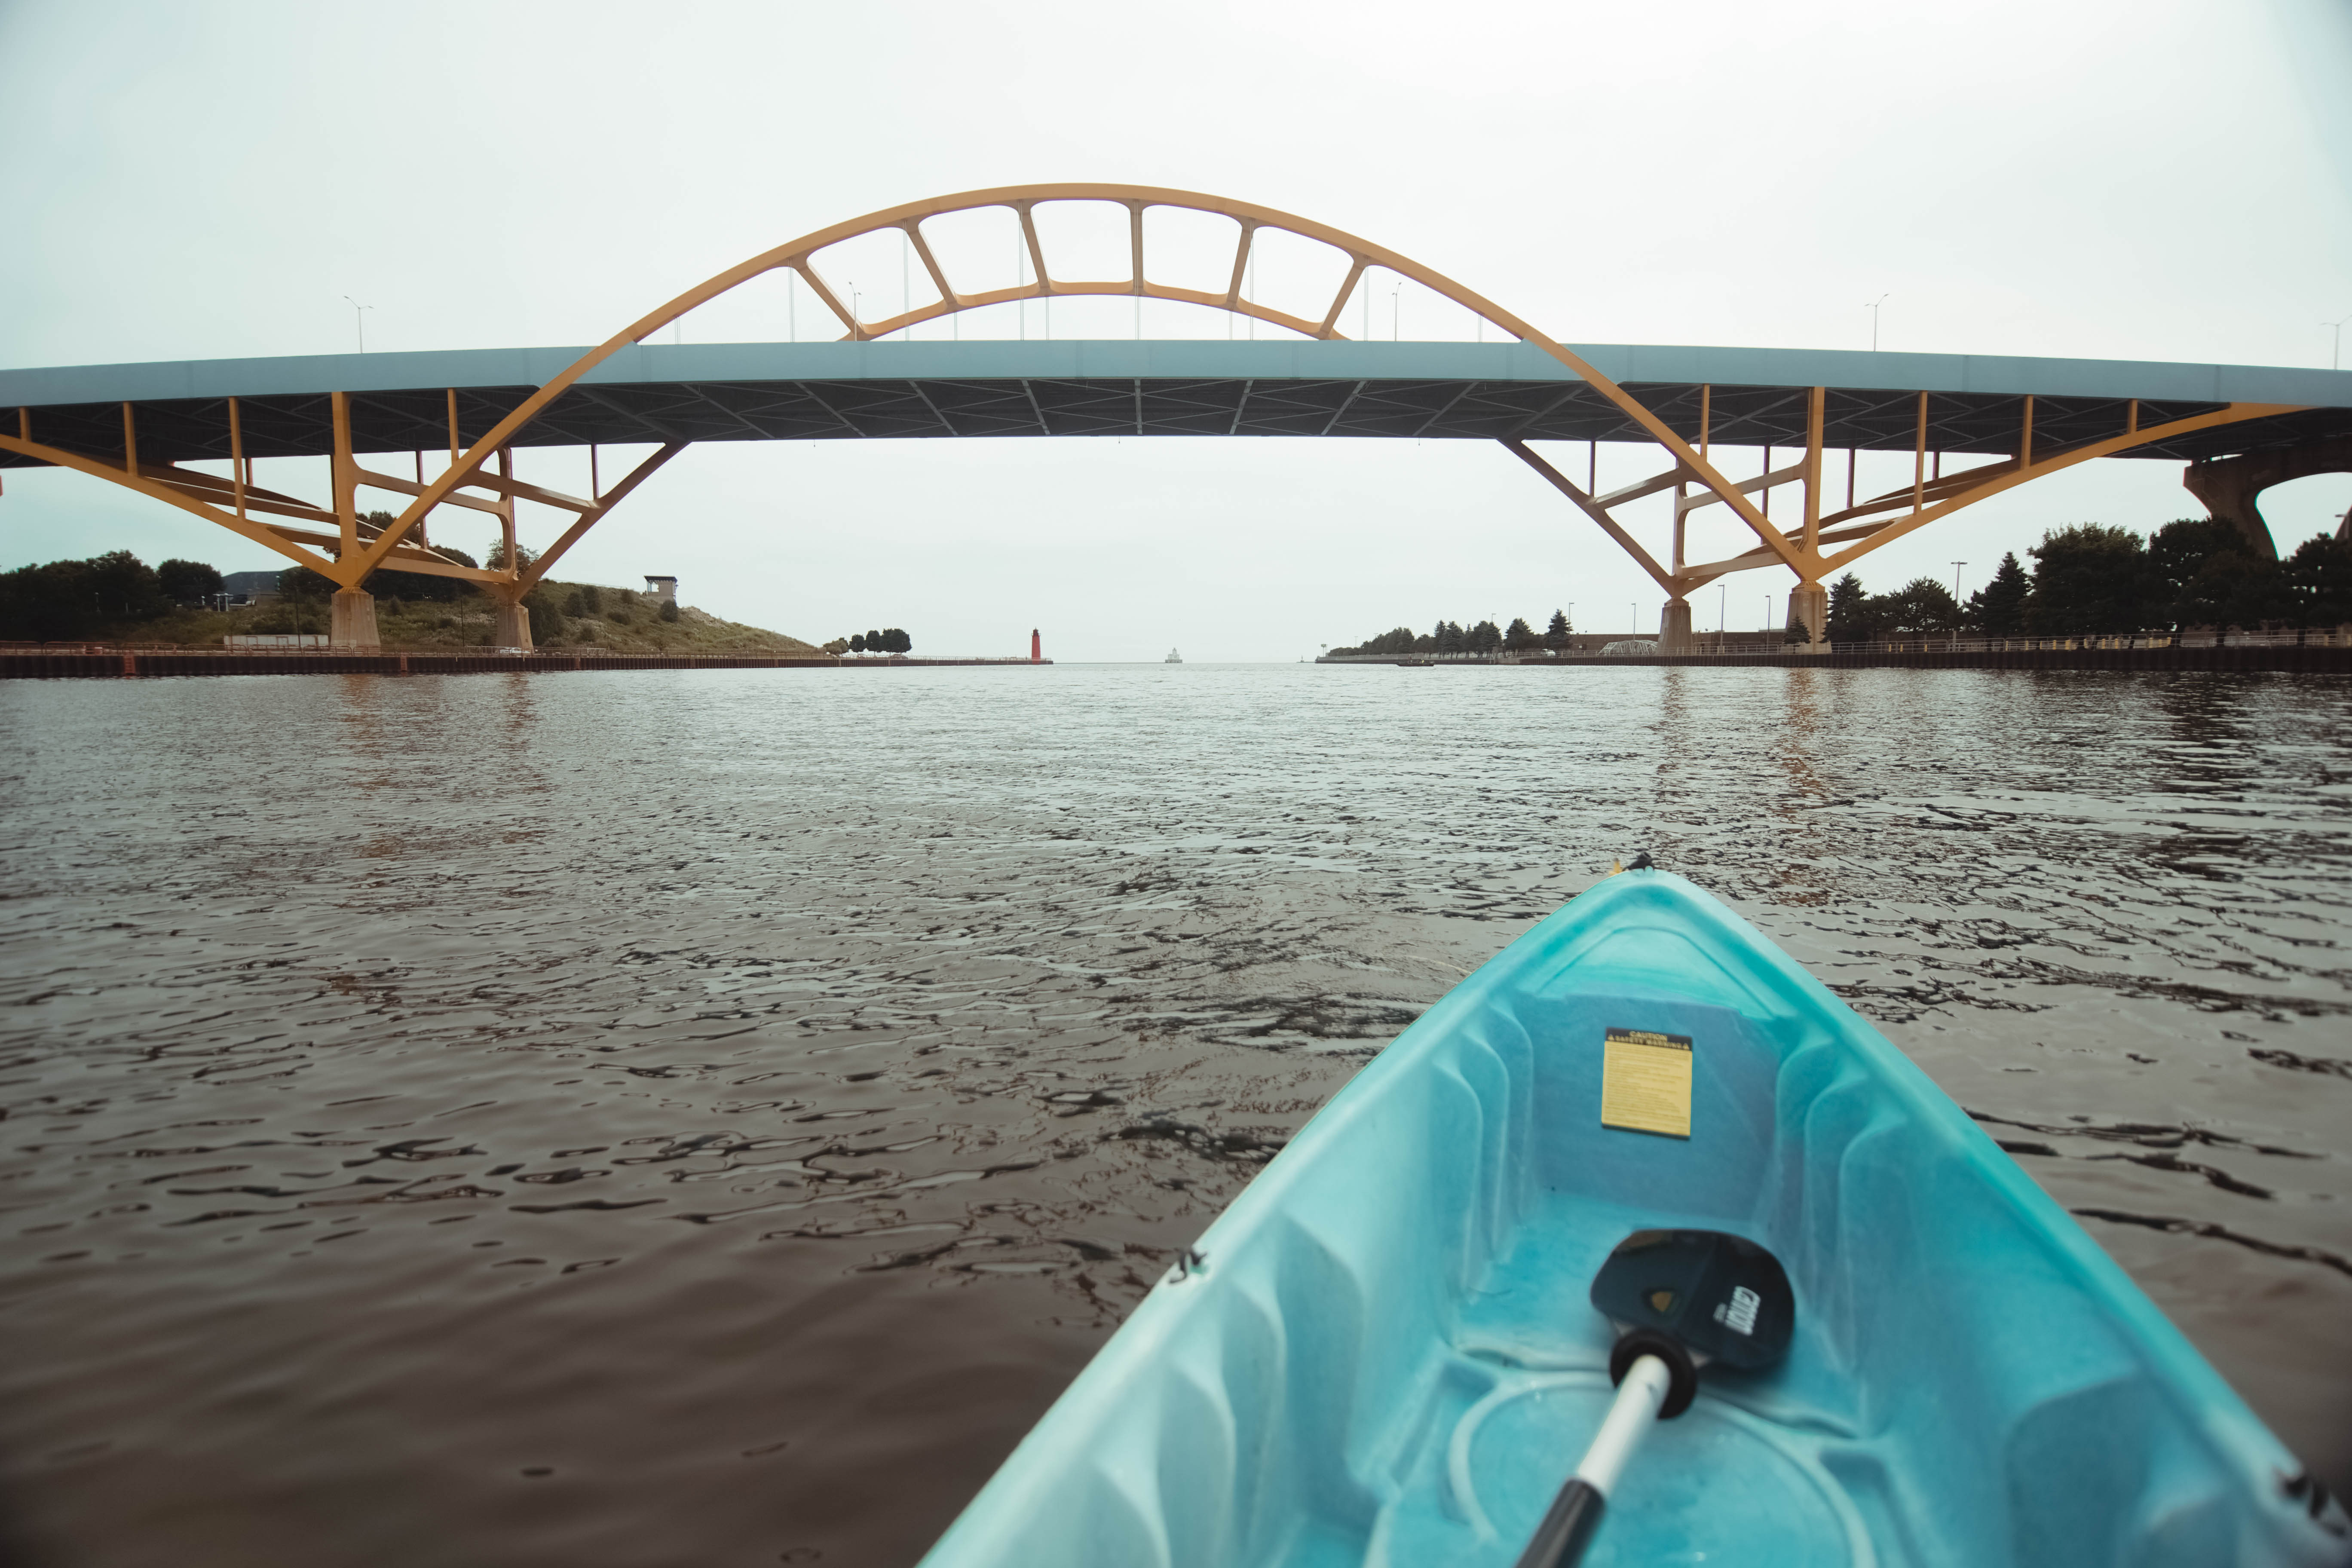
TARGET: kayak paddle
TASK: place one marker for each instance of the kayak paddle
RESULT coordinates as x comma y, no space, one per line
1680,1299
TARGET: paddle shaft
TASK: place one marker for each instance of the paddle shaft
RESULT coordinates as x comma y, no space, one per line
1575,1513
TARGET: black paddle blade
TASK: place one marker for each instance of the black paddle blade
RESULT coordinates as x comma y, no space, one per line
1721,1297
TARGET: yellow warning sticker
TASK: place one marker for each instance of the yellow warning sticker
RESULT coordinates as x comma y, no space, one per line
1646,1082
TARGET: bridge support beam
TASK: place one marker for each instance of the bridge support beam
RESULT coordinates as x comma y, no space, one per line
2231,487
513,626
1809,606
1674,627
351,619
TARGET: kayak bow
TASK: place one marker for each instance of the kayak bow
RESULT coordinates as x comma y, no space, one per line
1382,1351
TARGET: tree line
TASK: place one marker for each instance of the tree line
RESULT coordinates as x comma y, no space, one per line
68,601
889,639
2090,580
1449,636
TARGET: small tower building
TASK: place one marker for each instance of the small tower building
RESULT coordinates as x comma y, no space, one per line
663,588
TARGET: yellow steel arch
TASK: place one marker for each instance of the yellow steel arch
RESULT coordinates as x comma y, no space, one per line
1023,200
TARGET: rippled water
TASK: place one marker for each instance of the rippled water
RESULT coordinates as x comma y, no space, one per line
667,1117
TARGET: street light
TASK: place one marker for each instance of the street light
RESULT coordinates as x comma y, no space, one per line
359,319
2336,350
1872,306
1956,580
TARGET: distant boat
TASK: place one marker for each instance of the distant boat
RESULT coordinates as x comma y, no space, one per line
1173,658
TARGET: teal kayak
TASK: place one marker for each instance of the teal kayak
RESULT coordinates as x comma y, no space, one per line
1383,1353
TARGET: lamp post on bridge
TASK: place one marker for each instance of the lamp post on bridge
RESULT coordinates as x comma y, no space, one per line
358,318
1872,306
2336,349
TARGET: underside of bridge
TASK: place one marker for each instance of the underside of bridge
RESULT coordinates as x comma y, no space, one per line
1974,426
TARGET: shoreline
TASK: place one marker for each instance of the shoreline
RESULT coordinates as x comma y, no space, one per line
92,662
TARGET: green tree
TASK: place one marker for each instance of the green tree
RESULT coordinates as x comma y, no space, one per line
857,642
2319,577
1556,635
2194,567
2089,579
669,609
1922,605
1998,609
1851,615
496,559
585,599
62,601
1447,637
1398,640
547,623
1483,637
185,580
1520,637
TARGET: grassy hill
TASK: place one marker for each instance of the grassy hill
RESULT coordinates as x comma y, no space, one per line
569,616
582,617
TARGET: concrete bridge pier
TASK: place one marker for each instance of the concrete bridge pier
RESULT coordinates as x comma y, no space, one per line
514,625
1674,627
351,619
2231,487
1809,606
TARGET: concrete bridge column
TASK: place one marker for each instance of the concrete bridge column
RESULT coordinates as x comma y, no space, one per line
351,619
1809,606
1674,627
513,627
2231,487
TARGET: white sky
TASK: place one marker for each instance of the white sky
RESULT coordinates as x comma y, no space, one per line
2155,180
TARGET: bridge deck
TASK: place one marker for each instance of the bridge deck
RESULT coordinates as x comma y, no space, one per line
1438,391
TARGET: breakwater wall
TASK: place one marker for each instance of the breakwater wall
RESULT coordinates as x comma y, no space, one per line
84,662
2315,660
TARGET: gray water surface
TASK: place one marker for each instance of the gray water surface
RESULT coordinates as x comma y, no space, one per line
706,1117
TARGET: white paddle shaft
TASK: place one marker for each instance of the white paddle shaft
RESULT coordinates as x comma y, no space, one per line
1634,1411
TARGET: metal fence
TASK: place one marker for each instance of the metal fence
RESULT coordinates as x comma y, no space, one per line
1702,645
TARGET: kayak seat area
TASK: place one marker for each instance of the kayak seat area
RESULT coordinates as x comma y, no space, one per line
1388,1355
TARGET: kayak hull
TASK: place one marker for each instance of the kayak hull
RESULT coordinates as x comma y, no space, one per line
1383,1353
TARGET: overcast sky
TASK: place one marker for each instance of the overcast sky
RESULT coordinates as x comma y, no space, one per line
2153,180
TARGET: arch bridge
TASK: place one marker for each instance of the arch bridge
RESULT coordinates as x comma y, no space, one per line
2015,419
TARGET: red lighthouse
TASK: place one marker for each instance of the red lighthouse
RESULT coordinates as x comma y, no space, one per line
1036,647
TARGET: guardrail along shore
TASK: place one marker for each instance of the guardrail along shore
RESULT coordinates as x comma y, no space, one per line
66,661
2312,652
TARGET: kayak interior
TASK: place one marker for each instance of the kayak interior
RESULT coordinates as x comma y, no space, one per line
1383,1353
